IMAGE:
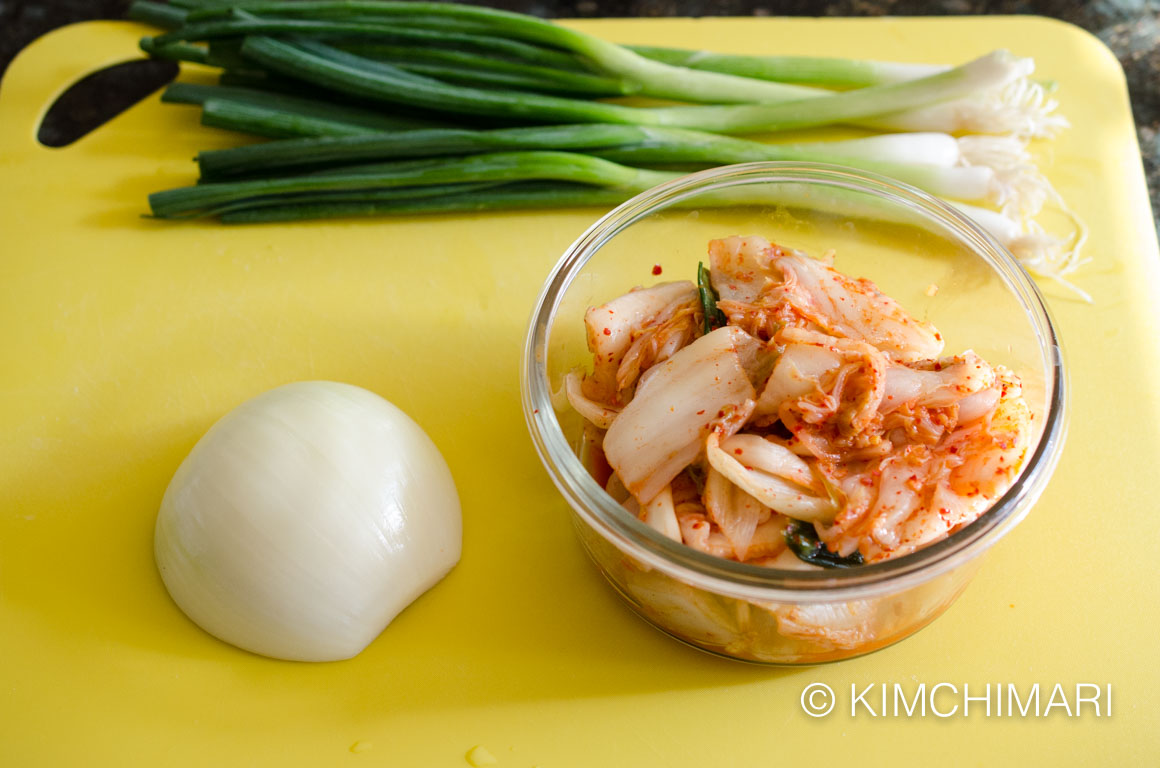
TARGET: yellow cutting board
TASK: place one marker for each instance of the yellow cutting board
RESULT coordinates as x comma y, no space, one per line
124,339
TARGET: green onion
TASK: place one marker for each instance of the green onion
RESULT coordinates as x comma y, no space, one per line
237,28
518,196
409,195
345,84
493,48
272,123
334,69
390,84
193,93
932,167
706,78
655,78
812,70
556,166
226,54
157,14
802,540
368,35
175,51
255,78
712,317
474,69
327,151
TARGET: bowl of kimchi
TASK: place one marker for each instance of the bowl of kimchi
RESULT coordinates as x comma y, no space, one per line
791,405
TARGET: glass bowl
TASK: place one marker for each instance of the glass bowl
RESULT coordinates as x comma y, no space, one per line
941,266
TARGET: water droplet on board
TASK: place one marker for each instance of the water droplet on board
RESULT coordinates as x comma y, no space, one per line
479,756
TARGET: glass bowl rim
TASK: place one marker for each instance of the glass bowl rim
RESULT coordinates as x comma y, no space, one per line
633,537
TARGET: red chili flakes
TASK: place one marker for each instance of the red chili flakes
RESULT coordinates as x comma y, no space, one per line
700,413
953,449
656,270
607,332
738,451
537,410
720,414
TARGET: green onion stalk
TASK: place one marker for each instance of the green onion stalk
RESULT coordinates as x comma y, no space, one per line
325,66
384,107
663,73
933,162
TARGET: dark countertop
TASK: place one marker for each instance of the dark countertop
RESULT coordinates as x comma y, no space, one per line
1131,28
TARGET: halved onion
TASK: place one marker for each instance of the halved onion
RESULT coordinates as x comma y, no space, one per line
305,520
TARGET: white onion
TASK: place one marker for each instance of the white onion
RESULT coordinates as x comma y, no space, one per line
305,520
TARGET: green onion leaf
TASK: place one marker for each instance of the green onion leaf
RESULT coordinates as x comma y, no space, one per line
802,540
713,317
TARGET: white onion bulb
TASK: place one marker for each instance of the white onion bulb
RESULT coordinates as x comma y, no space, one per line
305,520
